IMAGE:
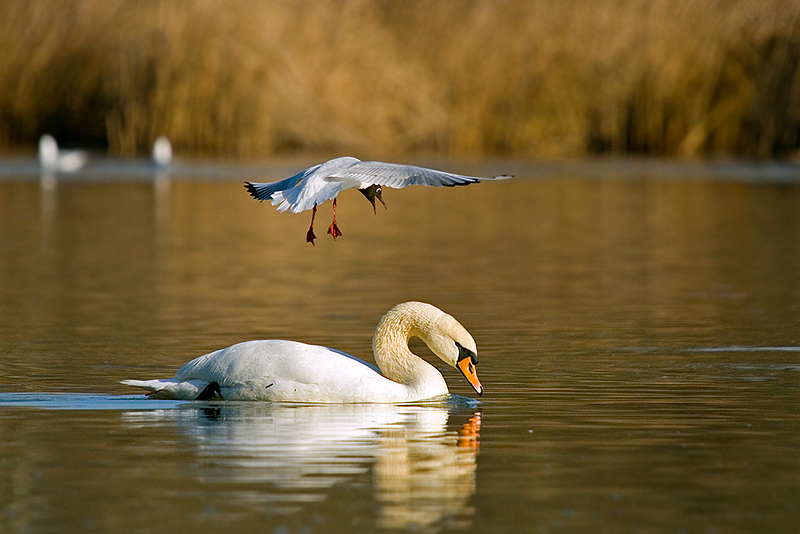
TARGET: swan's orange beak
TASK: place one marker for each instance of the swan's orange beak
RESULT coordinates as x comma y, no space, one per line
467,367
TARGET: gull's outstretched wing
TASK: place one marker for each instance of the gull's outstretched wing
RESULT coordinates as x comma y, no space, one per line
397,175
325,181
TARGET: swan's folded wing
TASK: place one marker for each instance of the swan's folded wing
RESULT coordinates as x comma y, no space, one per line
276,358
282,370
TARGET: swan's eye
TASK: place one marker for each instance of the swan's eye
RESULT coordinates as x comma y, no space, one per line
378,190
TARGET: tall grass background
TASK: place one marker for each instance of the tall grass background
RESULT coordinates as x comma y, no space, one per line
543,79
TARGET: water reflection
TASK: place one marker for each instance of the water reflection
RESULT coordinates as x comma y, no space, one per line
420,459
640,341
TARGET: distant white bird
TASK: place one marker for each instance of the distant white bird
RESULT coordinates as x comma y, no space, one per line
317,184
52,160
162,152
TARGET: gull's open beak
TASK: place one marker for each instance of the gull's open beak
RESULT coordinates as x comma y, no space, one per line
379,196
467,363
372,192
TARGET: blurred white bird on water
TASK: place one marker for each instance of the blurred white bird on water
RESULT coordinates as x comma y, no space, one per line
52,159
162,153
322,182
162,160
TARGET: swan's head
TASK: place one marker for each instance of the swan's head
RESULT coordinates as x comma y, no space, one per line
452,343
441,333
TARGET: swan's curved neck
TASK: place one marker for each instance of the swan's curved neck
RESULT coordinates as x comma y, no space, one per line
395,359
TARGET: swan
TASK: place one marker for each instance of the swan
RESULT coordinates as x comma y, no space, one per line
322,182
53,160
289,371
162,152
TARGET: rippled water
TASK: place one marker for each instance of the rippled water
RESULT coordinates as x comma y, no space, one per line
638,338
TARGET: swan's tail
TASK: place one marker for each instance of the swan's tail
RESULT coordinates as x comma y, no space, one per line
169,388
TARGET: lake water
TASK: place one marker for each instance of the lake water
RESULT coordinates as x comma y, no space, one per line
638,331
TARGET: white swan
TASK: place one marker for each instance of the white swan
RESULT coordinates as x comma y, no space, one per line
325,181
288,371
162,152
53,160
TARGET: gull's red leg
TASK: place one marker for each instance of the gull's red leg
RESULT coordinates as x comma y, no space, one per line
333,229
310,237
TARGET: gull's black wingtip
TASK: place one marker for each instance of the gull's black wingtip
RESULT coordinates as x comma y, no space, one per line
252,190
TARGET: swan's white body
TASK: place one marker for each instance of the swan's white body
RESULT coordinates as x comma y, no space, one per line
325,181
53,160
288,371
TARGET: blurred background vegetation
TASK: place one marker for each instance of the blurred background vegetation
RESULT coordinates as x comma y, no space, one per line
542,79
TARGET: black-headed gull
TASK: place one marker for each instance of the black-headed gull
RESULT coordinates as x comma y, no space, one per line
322,182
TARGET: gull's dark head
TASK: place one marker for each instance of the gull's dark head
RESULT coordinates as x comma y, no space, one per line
372,192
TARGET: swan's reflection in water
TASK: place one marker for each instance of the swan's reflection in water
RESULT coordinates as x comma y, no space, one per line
422,458
423,474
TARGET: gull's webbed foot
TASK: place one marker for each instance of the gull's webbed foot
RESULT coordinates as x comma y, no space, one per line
334,231
310,237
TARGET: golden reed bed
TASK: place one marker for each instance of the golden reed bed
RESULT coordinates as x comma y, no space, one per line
378,78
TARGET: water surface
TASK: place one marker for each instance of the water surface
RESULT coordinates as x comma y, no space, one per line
638,338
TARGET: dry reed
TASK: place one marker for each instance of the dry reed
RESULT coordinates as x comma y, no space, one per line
464,77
